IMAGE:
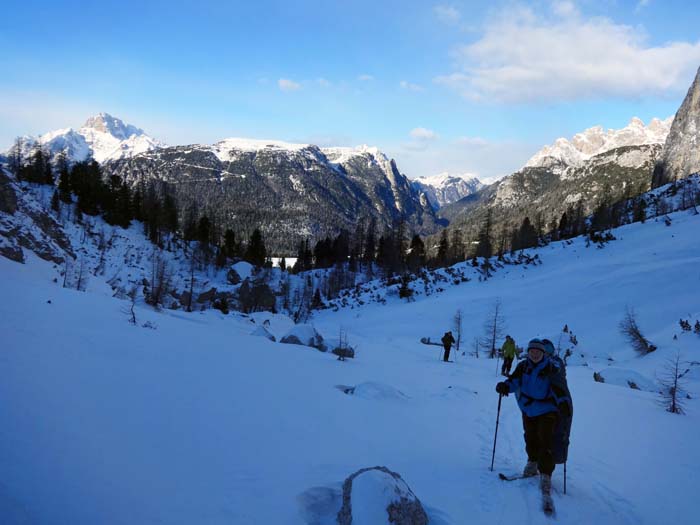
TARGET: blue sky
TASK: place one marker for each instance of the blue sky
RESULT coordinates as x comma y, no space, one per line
440,86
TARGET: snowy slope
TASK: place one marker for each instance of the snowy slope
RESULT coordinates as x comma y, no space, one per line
596,140
196,421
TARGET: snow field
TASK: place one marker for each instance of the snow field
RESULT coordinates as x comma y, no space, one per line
196,421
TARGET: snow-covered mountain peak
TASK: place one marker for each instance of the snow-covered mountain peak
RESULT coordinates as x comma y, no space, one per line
102,137
441,179
106,123
596,140
445,188
340,155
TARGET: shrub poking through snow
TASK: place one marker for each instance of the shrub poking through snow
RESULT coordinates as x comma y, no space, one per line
630,329
672,387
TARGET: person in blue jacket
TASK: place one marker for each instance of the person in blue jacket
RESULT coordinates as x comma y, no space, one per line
539,402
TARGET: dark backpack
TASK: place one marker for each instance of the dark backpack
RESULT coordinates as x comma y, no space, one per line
562,395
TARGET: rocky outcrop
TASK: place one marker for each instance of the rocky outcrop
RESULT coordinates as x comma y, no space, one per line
25,224
378,495
681,152
8,199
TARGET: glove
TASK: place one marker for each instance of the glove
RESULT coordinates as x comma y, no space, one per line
503,388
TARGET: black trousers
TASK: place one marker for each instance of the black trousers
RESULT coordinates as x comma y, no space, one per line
539,440
507,363
446,357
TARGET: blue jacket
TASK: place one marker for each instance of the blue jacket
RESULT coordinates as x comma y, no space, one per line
532,385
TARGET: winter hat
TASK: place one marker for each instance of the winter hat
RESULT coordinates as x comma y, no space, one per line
537,343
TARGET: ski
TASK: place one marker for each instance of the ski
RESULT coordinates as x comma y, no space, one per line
514,477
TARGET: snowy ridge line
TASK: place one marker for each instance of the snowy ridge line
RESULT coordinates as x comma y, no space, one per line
595,141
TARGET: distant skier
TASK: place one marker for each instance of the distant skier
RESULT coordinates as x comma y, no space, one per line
509,352
539,383
447,341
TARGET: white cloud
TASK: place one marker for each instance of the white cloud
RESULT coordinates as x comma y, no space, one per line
288,85
365,77
447,14
410,87
527,56
323,82
423,134
564,8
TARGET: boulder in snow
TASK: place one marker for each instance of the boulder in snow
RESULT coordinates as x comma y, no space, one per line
625,377
304,334
243,269
262,331
232,277
207,297
378,495
372,390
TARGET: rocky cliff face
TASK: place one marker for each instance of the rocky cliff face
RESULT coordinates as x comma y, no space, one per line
290,191
25,224
681,152
444,189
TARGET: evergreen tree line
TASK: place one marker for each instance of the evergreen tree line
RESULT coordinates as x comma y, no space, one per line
390,252
152,204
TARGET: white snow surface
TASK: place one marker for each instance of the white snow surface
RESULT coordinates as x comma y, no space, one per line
596,140
196,421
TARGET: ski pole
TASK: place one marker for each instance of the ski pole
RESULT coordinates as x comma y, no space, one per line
565,477
495,435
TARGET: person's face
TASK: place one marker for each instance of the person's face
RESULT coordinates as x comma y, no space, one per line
535,354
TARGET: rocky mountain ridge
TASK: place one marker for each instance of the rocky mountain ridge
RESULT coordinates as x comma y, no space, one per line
681,153
593,141
445,188
290,191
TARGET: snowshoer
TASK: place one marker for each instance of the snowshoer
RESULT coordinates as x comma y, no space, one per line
447,341
539,383
508,351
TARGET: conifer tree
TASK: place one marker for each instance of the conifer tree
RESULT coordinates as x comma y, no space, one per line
416,256
443,249
256,252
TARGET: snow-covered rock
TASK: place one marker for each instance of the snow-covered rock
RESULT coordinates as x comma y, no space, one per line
304,334
626,378
243,269
261,331
681,154
377,495
594,141
373,390
445,188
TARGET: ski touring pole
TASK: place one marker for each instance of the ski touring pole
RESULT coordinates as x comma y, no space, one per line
565,477
495,435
